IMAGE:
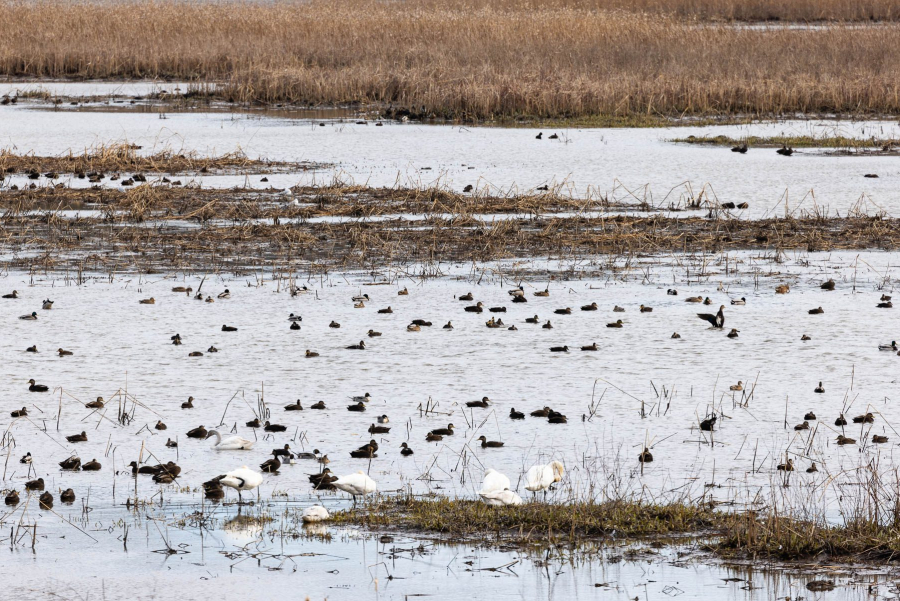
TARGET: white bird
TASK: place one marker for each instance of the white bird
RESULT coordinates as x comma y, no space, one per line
241,479
358,484
231,443
502,497
519,291
494,482
360,298
542,477
316,513
888,347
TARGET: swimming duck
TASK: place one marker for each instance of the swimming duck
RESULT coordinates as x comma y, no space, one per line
841,420
809,416
803,426
210,299
67,496
733,333
707,301
226,294
375,429
188,404
358,347
403,292
19,413
364,452
198,296
212,349
364,398
885,297
497,309
676,335
72,464
13,294
541,412
270,465
360,406
566,311
31,349
198,432
615,324
12,498
513,328
829,285
448,431
318,405
591,307
645,456
517,291
888,347
816,311
466,297
163,478
548,325
782,289
842,440
294,326
176,340
433,437
182,289
483,403
694,299
254,423
386,311
78,437
47,305
885,305
805,337
64,353
334,324
195,354
785,151
294,318
708,424
373,333
147,301
269,427
448,325
519,299
491,323
311,354
819,389
226,328
282,452
45,500
545,292
26,458
812,469
360,298
646,309
34,387
485,443
513,414
359,305
35,484
160,426
413,328
737,387
555,417
672,292
295,406
742,301
879,439
868,418
476,308
32,317
405,450
323,480
717,320
559,349
787,466
171,444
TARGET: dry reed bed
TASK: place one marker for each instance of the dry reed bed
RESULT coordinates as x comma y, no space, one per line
474,60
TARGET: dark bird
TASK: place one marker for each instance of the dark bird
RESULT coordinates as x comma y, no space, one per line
295,406
645,456
373,333
559,349
13,294
72,464
198,432
405,450
270,465
541,412
283,452
421,322
253,423
323,480
46,500
842,440
385,311
879,439
785,151
497,309
476,308
19,412
35,484
519,299
188,404
803,426
92,466
98,403
433,437
646,309
555,417
513,414
809,416
615,324
171,444
229,328
34,387
819,389
77,437
160,426
885,305
311,354
829,285
364,452
532,319
708,424
841,420
360,406
31,349
67,496
294,326
483,403
868,418
26,458
358,347
788,466
448,431
318,405
274,427
741,148
816,311
590,347
334,324
717,320
733,333
489,443
566,311
375,429
12,498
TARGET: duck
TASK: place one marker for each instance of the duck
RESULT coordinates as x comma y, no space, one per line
176,340
591,307
672,292
816,311
448,431
359,305
740,148
32,349
295,406
171,444
879,439
270,465
541,412
314,514
92,466
448,325
675,335
566,311
476,308
72,464
888,347
269,427
35,387
733,333
517,291
357,485
559,349
13,294
885,305
782,289
19,413
364,452
485,443
227,328
413,328
803,426
187,290
737,387
405,450
253,423
294,318
316,454
226,294
311,354
534,320
376,429
64,353
295,326
188,404
384,419
694,299
591,347
483,403
147,301
804,338
318,405
707,301
198,432
555,417
364,398
433,437
163,478
67,496
645,456
842,440
646,309
829,285
787,466
741,301
717,321
160,425
45,500
241,479
785,151
334,324
47,305
812,469
810,416
360,406
868,418
12,498
26,458
195,354
544,292
841,420
548,325
35,484
403,292
78,437
323,480
542,477
282,452
360,298
497,309
615,324
519,299
466,297
708,424
513,414
357,347
819,389
373,334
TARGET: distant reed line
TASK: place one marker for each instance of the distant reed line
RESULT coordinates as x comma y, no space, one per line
466,59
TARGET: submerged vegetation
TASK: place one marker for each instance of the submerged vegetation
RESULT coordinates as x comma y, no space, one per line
474,60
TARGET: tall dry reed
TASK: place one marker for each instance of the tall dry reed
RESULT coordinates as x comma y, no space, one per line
468,59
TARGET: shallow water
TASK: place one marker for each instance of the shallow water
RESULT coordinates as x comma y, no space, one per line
630,165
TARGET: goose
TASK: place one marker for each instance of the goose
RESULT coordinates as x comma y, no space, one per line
67,496
542,477
618,309
788,466
645,456
819,389
45,500
35,484
314,514
373,333
405,450
483,403
888,347
842,440
879,439
357,485
541,412
64,353
360,406
198,432
566,311
34,387
742,301
268,427
737,387
357,347
694,299
12,498
385,311
360,298
559,349
92,466
47,305
513,414
590,347
147,301
77,437
885,305
615,324
311,354
534,320
323,480
708,424
296,406
591,307
376,429
254,423
294,318
359,305
413,328
230,443
466,297
448,431
717,320
448,325
13,294
227,328
26,458
72,464
19,412
294,326
544,292
160,426
171,444
646,309
675,336
403,292
502,498
803,426
733,333
493,483
476,308
548,325
868,418
485,443
241,479
318,405
383,419
829,285
32,349
334,324
226,294
270,465
188,404
816,311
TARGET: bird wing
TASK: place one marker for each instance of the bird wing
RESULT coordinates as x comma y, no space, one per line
708,317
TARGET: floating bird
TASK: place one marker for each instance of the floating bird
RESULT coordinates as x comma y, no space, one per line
405,450
841,420
494,482
733,333
147,301
47,305
32,349
375,429
413,328
646,309
360,406
318,405
555,417
357,485
842,440
809,416
694,299
72,464
269,427
566,311
466,297
270,465
188,404
198,432
433,437
64,353
717,320
334,324
548,325
559,349
816,311
483,403
885,305
34,387
12,498
403,292
448,325
448,431
742,148
46,500
788,466
742,301
383,419
254,423
227,328
591,307
294,326
295,406
615,324
672,292
803,426
295,318
26,458
19,412
868,418
545,292
513,414
311,354
645,456
708,424
314,514
541,412
385,311
812,469
13,294
819,389
373,333
489,443
323,481
229,443
805,337
829,285
879,439
77,437
888,347
358,347
785,151
226,294
476,308
35,484
360,298
737,387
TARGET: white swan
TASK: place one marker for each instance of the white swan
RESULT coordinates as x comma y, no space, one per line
542,477
232,443
502,497
358,484
316,513
241,479
494,482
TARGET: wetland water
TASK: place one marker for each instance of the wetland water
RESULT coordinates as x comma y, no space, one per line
641,387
